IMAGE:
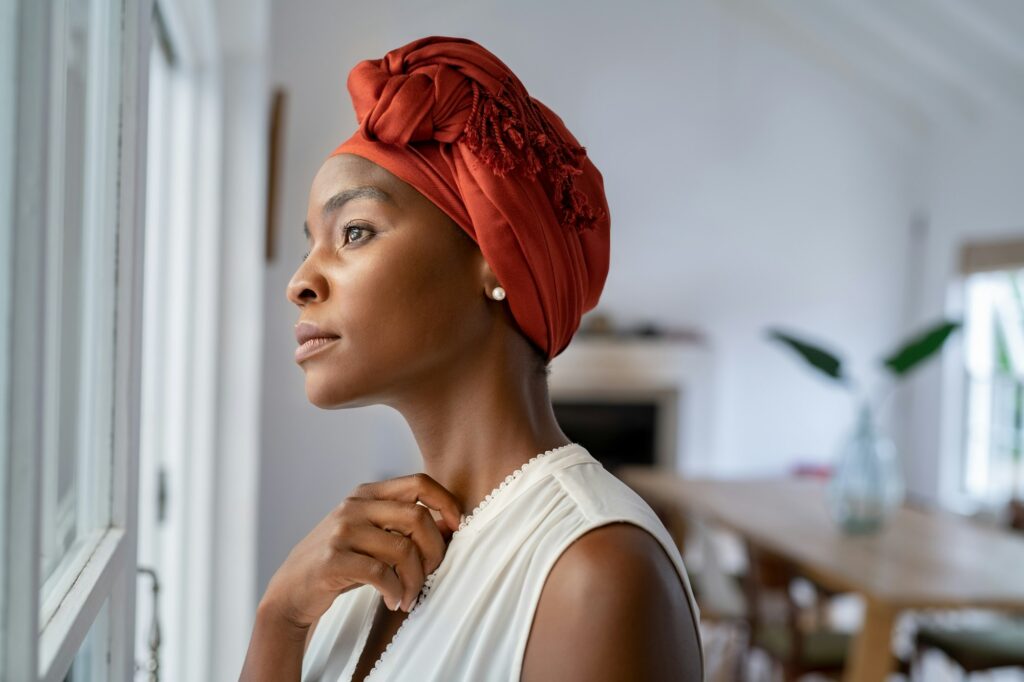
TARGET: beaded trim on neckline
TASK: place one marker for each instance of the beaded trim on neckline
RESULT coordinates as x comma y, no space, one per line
428,583
504,484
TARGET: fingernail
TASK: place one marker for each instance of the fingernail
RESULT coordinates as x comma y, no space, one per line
393,606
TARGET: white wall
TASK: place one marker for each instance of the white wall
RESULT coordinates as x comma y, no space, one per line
748,185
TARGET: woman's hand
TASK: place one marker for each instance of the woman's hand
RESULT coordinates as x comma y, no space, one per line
378,535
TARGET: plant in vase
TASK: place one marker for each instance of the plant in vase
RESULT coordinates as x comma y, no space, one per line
867,482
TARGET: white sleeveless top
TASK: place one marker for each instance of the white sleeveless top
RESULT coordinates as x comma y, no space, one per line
473,615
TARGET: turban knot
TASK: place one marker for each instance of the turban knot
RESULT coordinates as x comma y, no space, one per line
450,118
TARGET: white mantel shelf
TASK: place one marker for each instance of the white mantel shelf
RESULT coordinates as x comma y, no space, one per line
678,374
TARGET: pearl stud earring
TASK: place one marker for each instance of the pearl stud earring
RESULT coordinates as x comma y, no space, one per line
498,293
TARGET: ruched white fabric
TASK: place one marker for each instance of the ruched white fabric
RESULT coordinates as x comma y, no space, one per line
473,616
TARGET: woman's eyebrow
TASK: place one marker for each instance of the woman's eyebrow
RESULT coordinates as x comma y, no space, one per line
346,195
363,192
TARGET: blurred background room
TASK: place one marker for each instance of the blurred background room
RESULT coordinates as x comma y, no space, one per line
813,323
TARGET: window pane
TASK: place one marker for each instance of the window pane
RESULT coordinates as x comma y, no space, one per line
80,296
993,469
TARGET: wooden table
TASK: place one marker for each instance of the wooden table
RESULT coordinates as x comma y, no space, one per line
921,559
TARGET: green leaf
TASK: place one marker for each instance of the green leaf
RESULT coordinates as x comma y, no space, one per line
819,358
919,347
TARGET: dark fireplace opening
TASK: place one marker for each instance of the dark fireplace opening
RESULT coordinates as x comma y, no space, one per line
615,433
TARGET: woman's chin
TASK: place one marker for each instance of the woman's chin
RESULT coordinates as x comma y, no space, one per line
324,398
332,395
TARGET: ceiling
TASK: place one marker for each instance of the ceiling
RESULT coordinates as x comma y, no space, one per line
934,58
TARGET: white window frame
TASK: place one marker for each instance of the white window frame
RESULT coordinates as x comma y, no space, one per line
207,555
45,651
984,254
181,393
978,332
99,608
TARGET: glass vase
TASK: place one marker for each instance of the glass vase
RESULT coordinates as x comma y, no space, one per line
867,483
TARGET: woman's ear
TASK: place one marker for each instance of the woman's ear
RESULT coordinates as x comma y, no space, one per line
488,280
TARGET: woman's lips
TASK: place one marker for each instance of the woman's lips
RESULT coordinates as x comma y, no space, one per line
313,346
311,339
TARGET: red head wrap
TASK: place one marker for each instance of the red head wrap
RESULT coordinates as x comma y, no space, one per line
449,118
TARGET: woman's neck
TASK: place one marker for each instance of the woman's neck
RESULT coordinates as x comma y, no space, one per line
479,424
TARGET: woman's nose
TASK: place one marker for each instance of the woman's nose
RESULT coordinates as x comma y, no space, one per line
305,286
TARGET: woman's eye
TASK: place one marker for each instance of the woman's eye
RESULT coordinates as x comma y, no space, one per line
354,227
345,231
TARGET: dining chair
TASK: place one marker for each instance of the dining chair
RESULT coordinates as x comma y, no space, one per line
718,592
976,648
802,641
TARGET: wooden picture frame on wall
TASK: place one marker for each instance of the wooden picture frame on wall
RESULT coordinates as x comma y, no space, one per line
274,146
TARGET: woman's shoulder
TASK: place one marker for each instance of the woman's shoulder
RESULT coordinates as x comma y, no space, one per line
600,495
598,498
577,608
614,538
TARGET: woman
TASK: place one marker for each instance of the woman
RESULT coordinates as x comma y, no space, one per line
455,240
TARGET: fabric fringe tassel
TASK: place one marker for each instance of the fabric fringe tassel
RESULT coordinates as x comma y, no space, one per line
512,134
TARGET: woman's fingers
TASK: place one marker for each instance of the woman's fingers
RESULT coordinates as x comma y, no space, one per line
413,520
395,550
352,546
415,488
369,570
391,521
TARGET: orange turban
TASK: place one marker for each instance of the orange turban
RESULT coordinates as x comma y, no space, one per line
450,119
